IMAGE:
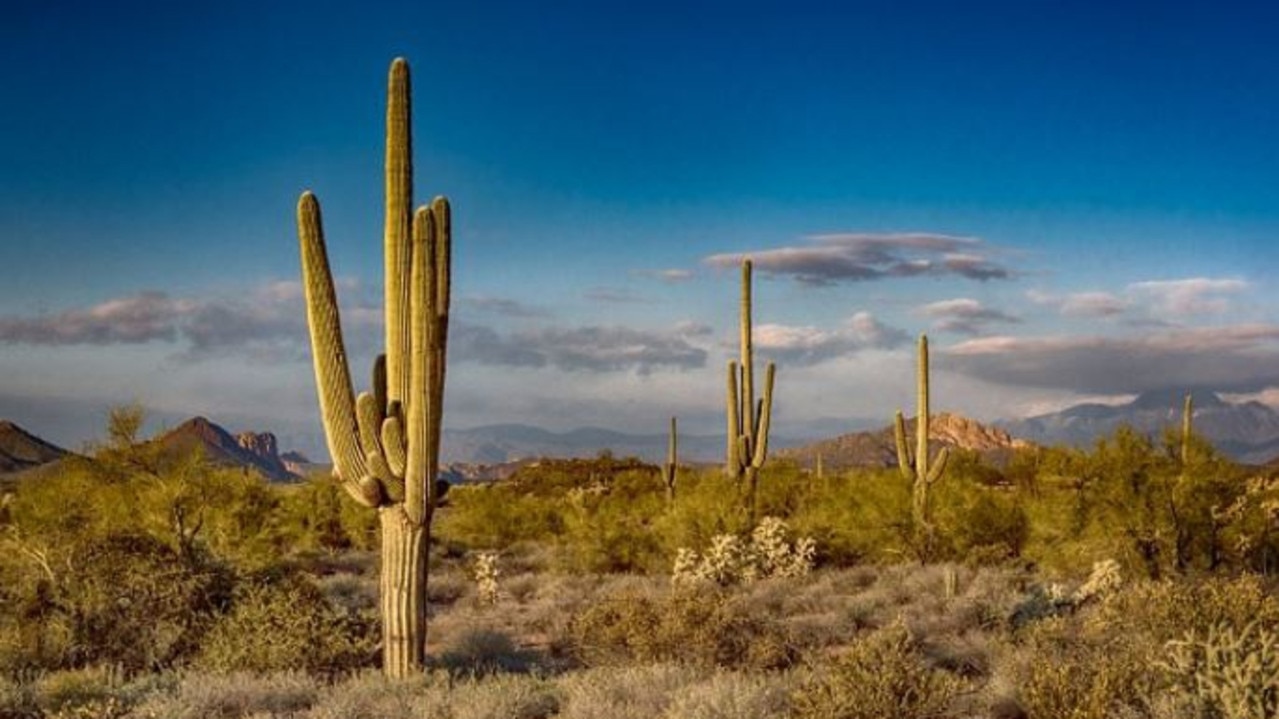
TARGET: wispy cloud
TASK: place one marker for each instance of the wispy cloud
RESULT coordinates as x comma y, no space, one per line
671,276
589,349
268,323
613,295
504,306
806,345
857,257
964,315
1242,358
1191,296
1150,303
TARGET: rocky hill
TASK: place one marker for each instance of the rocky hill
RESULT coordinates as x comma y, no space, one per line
878,448
1245,431
256,450
20,450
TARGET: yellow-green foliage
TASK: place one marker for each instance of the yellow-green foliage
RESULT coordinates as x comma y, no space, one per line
285,623
703,628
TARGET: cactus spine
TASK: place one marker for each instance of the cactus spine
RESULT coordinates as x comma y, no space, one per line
917,468
385,442
1187,412
748,420
671,466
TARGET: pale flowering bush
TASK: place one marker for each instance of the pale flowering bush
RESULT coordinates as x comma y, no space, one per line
486,574
732,560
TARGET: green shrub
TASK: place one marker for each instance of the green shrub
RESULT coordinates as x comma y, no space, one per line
884,675
703,628
285,623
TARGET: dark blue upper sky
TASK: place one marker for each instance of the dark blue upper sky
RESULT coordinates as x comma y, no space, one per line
159,147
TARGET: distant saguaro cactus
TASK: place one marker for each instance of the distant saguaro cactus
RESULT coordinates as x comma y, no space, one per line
747,420
385,443
917,468
1187,412
671,467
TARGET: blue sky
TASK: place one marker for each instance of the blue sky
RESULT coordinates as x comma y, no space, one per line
1075,200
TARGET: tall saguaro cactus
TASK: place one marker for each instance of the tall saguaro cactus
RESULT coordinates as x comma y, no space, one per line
385,442
918,468
748,419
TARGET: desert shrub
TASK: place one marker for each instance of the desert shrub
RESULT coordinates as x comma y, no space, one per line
731,695
124,600
990,527
703,628
279,623
883,675
477,651
230,696
635,692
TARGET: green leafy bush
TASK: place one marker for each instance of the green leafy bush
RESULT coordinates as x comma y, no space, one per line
285,623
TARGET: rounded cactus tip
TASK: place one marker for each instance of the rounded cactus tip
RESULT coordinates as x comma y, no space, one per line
400,64
308,201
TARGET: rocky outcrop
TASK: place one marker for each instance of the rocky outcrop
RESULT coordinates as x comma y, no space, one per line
249,450
877,448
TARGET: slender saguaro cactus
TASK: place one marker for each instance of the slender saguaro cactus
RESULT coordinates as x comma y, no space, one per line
918,468
385,443
748,420
1187,412
672,464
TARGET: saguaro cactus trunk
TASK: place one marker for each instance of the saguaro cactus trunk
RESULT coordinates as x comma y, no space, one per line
918,468
1187,414
748,421
671,467
385,442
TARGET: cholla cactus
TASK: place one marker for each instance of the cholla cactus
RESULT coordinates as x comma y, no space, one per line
385,443
1104,579
486,574
730,560
1227,672
748,421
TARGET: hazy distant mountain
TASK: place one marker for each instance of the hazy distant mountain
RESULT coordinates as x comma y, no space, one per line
257,450
501,443
878,448
1247,432
20,450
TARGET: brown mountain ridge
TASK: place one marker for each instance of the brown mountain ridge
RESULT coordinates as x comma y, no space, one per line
20,450
878,448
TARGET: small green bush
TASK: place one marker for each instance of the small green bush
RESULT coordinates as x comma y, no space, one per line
285,623
884,675
701,627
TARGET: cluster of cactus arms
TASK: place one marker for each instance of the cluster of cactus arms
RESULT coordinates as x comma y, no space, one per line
385,442
671,466
918,468
748,419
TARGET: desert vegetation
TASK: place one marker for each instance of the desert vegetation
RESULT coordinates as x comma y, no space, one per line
1113,581
1130,579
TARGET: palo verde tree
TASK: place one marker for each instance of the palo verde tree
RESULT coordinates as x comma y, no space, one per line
385,442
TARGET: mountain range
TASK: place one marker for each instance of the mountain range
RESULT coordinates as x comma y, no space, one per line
1245,431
